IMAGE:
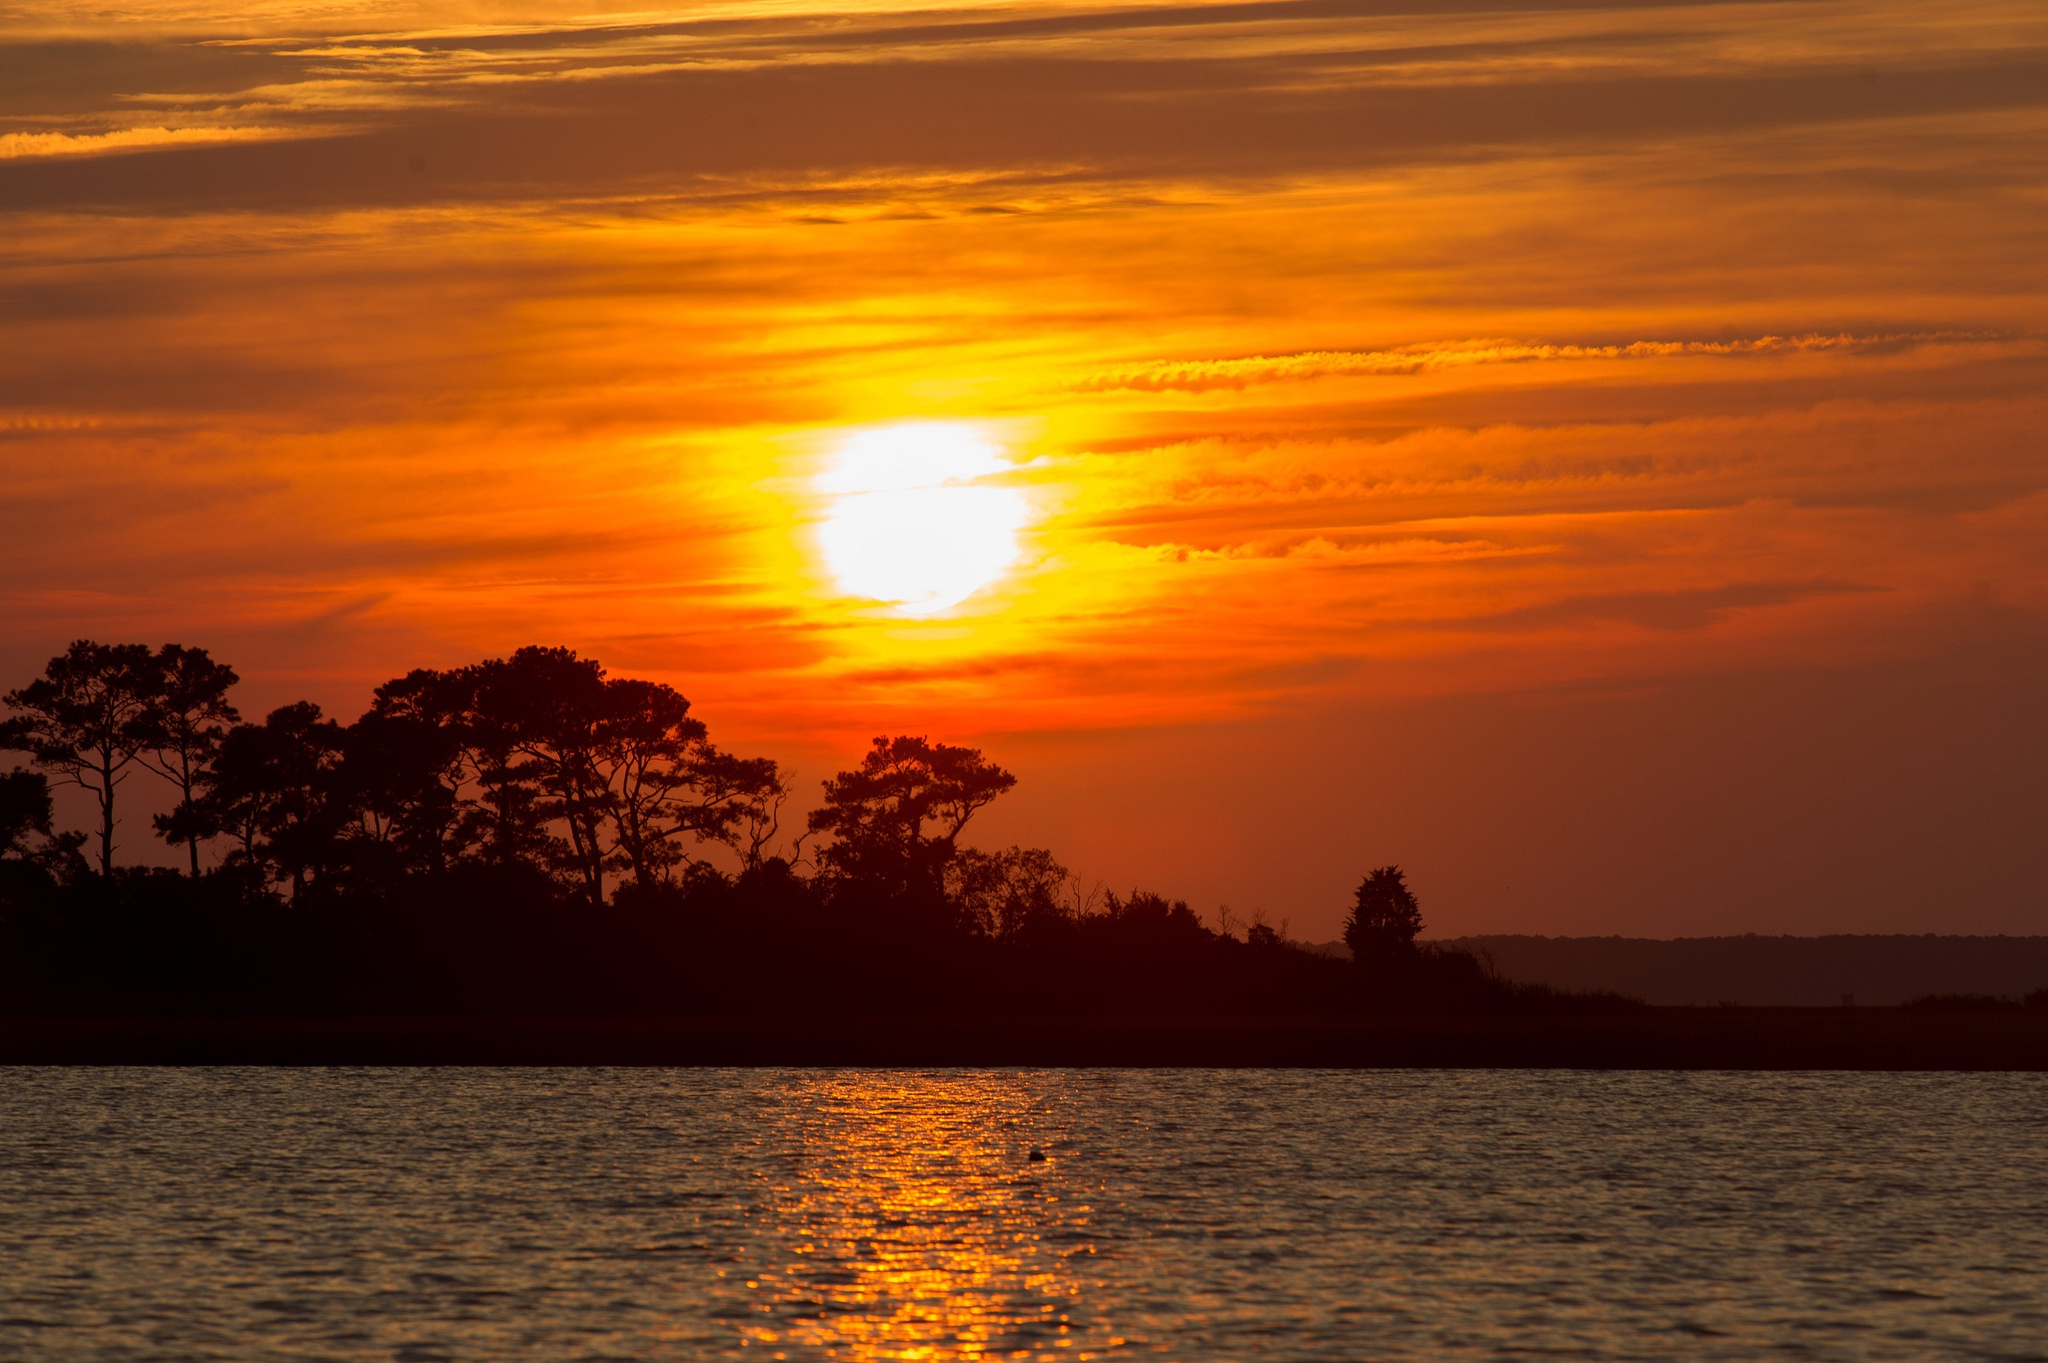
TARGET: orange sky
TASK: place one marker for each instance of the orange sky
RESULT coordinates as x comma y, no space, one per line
1590,455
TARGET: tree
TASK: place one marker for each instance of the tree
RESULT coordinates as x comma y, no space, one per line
231,799
406,763
272,789
457,730
647,748
86,720
730,800
26,834
188,716
538,717
307,809
1384,918
896,820
619,764
1008,894
759,821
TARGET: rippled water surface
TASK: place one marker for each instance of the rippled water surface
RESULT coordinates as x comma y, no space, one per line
1231,1215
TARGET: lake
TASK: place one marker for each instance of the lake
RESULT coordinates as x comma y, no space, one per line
864,1214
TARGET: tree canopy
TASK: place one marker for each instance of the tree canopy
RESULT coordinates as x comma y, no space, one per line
87,720
1384,918
896,819
531,832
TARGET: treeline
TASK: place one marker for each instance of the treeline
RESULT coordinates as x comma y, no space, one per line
530,835
537,760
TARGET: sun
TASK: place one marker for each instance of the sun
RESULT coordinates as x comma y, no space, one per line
913,522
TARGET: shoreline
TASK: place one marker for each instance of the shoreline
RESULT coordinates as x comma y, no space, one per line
1656,1038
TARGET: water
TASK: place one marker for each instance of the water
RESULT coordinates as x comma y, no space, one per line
1203,1215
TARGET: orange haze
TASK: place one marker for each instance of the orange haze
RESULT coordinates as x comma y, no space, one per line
1591,454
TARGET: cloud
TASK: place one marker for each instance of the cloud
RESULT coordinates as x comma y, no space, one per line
1658,610
1417,372
640,105
25,146
1197,376
1347,350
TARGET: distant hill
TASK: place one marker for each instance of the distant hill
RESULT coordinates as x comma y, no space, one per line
1783,971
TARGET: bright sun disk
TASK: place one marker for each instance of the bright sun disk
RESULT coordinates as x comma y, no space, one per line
912,523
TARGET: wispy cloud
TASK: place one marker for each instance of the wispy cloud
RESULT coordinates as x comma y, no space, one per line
24,146
1341,350
1197,376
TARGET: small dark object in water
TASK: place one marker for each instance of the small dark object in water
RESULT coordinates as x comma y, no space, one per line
1038,1156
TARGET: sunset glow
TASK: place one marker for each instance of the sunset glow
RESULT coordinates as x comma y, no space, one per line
1140,391
1048,680
912,523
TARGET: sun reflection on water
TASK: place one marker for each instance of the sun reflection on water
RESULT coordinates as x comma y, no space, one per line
923,1230
362,1215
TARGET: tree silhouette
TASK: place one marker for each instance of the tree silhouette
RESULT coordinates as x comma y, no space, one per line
188,716
759,819
446,850
544,710
26,832
391,777
1384,918
619,764
648,745
24,812
406,764
896,820
1153,921
730,800
86,720
469,790
272,789
1008,894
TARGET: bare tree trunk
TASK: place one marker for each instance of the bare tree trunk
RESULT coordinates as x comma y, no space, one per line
592,854
185,795
106,794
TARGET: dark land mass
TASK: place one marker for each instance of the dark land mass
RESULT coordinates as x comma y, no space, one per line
1661,1038
527,861
1760,971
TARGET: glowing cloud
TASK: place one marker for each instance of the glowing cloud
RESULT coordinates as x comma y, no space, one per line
20,146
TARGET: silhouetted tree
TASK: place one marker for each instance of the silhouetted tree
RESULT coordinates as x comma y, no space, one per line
620,764
26,832
666,785
438,848
1148,915
272,789
759,823
647,744
468,749
188,715
309,811
1008,894
1384,918
420,790
405,765
896,820
730,800
389,778
539,715
86,720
